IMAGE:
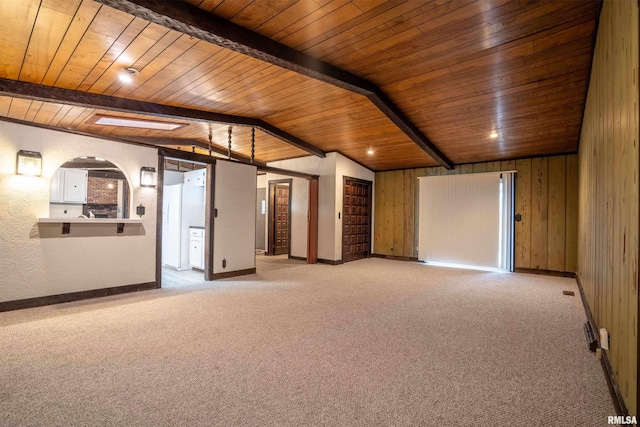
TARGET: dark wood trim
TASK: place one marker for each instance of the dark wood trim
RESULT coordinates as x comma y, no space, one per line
271,218
395,258
195,22
75,132
507,159
614,390
208,212
279,171
228,274
298,258
131,140
544,272
330,262
74,296
312,222
369,209
186,155
105,174
209,221
190,142
37,92
159,209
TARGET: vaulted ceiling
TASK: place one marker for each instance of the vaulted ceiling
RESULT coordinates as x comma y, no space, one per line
417,82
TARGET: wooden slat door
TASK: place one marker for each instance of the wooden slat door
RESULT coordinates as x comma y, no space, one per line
281,219
356,222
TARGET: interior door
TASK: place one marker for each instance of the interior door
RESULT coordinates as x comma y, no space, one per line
280,218
356,222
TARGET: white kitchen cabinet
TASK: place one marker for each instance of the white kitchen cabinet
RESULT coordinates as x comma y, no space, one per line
69,186
75,186
196,177
57,187
196,248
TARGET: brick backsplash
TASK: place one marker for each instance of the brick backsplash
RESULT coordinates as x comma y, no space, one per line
99,192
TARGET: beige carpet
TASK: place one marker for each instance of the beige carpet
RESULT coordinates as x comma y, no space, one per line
372,342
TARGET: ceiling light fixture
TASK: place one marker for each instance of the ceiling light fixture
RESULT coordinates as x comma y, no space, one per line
370,150
127,74
100,119
493,134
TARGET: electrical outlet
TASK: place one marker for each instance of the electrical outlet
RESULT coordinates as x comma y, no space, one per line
224,263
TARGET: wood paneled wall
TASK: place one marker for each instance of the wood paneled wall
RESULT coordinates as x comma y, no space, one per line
608,195
546,197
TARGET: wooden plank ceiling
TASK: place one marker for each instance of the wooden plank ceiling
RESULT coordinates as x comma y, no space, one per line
457,70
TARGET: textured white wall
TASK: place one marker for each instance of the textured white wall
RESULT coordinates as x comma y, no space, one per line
325,168
349,168
34,265
261,181
234,234
331,170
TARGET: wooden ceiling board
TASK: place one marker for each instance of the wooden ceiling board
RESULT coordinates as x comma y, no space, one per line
465,47
456,68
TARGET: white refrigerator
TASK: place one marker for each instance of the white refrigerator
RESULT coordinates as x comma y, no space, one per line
182,207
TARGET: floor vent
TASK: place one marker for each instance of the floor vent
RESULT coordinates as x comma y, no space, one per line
570,293
590,336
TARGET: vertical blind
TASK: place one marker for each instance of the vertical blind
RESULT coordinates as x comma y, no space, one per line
467,220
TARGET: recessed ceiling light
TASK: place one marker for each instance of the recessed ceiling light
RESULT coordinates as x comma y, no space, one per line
370,150
493,134
127,75
100,119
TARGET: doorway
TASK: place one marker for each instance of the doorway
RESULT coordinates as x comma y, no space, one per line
280,217
184,187
356,222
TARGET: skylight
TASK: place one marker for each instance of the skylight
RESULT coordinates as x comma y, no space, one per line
134,123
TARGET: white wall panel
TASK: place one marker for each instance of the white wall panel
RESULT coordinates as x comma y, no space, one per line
234,234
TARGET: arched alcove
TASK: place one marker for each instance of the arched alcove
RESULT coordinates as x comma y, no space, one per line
90,187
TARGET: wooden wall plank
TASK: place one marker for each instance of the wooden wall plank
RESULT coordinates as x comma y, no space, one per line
571,217
539,212
608,160
507,165
398,215
479,167
493,166
556,213
466,168
522,242
388,213
378,203
398,212
408,232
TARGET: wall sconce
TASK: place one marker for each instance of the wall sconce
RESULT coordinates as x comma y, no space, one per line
148,177
29,163
140,210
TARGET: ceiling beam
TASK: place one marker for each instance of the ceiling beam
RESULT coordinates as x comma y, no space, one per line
158,143
195,22
190,142
90,100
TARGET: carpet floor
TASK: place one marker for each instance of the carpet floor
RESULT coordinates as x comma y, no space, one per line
371,342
